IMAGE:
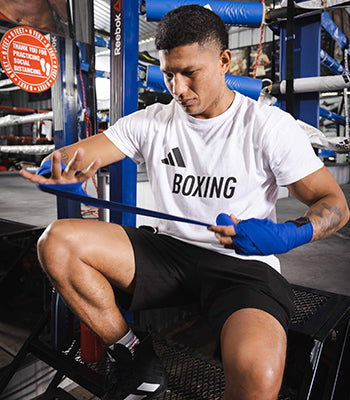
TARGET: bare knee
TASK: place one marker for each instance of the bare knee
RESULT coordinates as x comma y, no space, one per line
55,246
250,376
71,248
253,351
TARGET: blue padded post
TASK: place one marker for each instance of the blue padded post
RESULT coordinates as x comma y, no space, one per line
233,13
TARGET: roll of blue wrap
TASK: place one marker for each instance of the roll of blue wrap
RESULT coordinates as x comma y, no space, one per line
224,220
233,13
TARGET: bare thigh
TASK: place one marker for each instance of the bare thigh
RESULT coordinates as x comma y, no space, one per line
103,246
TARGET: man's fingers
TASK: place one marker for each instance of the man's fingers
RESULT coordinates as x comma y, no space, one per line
224,233
234,219
226,241
74,164
56,169
69,174
25,174
223,230
32,177
89,171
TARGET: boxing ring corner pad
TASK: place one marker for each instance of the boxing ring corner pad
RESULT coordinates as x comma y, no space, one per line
233,13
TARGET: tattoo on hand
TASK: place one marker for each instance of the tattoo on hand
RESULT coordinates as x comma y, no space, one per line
64,156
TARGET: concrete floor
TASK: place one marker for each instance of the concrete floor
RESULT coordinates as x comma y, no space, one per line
21,201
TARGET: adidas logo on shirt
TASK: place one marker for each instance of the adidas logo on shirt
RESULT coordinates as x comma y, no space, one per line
173,158
198,186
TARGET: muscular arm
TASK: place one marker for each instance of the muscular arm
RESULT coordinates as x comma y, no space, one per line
328,210
86,156
97,146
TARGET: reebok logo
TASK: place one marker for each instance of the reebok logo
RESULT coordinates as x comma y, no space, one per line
173,158
117,6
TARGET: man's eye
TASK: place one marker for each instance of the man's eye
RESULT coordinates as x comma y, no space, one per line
188,73
169,75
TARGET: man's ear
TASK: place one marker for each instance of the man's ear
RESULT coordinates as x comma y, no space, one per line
225,60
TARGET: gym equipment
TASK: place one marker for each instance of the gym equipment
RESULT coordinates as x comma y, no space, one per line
28,149
317,355
334,31
232,13
23,119
329,62
339,119
339,144
314,84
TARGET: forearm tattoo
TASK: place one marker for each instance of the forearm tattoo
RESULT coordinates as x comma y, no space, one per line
326,219
64,156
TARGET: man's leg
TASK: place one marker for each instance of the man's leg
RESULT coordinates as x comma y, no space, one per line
253,348
82,258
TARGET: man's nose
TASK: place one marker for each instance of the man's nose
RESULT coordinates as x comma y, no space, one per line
178,86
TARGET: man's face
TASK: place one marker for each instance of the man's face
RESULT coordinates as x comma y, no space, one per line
195,76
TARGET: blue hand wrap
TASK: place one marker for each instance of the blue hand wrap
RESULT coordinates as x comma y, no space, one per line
76,187
45,168
265,237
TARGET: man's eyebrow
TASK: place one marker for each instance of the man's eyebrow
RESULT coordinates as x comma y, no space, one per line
190,68
186,69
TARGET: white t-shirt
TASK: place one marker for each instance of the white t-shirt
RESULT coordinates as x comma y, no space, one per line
232,163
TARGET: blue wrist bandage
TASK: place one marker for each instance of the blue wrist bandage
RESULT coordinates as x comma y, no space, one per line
45,170
265,237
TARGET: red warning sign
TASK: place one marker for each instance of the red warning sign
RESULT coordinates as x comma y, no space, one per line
28,59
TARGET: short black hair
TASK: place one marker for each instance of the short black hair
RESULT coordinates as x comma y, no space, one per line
191,24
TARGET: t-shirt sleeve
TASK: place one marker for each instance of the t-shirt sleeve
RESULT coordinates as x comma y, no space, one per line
127,135
289,151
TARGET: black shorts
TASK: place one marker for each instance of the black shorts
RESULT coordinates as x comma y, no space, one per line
170,273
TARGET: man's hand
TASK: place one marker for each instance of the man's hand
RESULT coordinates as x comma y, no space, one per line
224,234
262,236
70,174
